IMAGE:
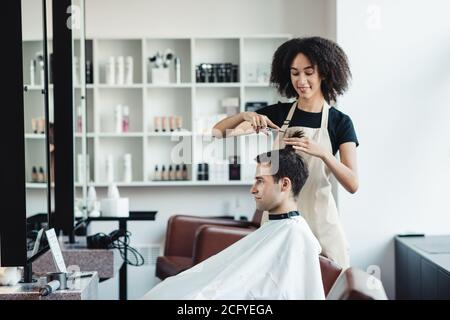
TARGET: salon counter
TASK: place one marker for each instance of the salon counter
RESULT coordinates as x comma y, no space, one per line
106,262
81,289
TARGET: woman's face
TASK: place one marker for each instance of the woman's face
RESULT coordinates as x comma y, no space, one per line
305,77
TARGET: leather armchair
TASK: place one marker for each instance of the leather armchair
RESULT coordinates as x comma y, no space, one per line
179,250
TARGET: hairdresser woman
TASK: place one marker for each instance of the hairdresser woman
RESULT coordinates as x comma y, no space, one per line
314,71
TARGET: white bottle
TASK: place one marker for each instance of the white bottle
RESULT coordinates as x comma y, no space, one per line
76,78
111,71
120,70
177,70
81,168
127,168
109,169
92,203
42,73
129,70
125,119
79,124
32,72
118,119
237,210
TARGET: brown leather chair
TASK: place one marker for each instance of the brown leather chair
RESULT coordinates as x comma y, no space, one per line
181,237
207,240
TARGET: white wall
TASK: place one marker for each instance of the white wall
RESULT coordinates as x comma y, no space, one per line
117,18
399,102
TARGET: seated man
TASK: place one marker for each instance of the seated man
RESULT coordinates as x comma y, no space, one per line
280,260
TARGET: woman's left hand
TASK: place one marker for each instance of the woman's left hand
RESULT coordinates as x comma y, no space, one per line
306,145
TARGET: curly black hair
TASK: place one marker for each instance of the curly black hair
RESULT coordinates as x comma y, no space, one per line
331,61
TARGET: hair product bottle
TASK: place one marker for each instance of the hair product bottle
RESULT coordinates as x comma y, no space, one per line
164,176
156,174
177,70
178,173
179,122
172,123
41,175
129,70
157,123
32,72
164,124
79,120
185,172
34,175
111,71
118,118
127,168
120,70
109,169
125,119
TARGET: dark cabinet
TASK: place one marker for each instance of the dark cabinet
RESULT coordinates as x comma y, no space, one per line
422,274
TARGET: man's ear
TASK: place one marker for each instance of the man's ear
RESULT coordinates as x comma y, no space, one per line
285,184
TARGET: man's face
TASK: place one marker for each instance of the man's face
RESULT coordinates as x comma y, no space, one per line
267,193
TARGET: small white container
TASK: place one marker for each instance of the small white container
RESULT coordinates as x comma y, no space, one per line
160,76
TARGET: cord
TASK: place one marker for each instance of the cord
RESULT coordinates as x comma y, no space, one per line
121,245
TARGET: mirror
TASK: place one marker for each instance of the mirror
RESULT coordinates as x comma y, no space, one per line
38,117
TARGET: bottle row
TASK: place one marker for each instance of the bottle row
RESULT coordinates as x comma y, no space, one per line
37,64
38,125
119,70
173,173
220,171
216,72
175,123
38,176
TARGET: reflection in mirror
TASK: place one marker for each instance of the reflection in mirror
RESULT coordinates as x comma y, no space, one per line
82,56
38,116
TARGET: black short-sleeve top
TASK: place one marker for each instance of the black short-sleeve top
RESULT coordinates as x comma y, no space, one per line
340,126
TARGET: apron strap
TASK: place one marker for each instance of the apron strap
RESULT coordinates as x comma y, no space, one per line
288,119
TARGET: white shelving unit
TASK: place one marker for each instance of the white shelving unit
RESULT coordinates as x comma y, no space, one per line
199,105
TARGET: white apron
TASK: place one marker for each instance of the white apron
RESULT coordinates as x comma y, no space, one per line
316,201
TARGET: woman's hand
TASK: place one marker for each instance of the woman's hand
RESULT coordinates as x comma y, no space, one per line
258,121
307,145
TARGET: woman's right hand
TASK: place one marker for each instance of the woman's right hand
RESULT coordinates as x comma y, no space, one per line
258,121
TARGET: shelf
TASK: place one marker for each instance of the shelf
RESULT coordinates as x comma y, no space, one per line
218,85
34,135
257,84
120,86
36,185
169,134
173,184
121,135
37,87
89,135
169,85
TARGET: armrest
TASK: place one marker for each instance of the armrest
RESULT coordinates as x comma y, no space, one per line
355,284
210,240
181,231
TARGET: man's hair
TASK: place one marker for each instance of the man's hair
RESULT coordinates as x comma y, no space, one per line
290,165
331,61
